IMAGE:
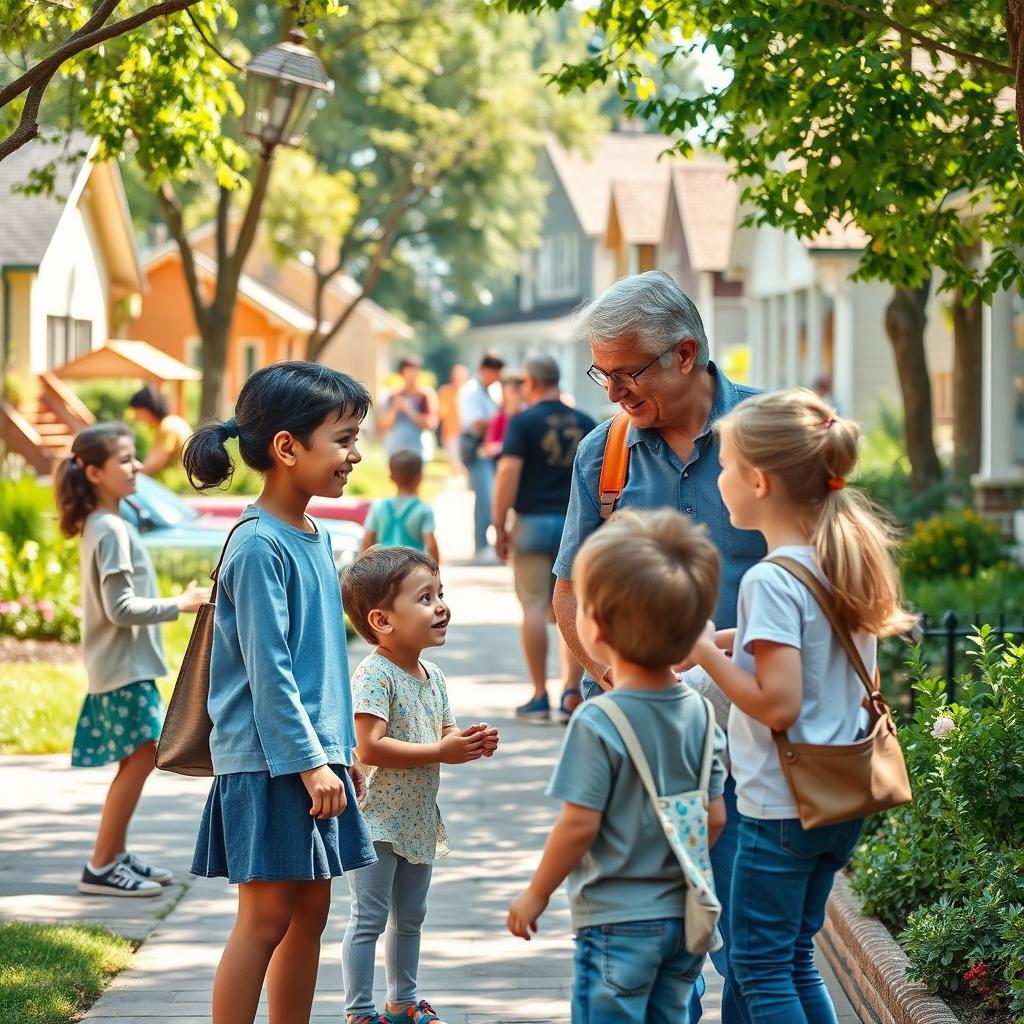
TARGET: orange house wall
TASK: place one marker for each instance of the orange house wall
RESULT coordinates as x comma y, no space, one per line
166,322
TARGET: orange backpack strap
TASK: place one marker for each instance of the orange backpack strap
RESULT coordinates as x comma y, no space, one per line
614,465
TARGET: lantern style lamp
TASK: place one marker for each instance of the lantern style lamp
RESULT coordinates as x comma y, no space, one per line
282,85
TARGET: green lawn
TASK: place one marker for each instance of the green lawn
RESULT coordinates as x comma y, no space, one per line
50,974
40,700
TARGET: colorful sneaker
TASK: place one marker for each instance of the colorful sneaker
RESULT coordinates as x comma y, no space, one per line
148,871
370,1018
536,710
565,710
117,880
422,1013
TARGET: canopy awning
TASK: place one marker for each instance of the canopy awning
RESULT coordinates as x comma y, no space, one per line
132,359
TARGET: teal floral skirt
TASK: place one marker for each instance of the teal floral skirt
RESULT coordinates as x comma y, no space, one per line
113,725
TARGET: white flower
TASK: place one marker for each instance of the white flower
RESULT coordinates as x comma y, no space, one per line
21,626
943,726
30,550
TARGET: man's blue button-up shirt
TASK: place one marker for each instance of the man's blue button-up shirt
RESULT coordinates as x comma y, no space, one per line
658,478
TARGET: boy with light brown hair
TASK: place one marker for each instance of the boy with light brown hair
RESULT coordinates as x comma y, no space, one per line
647,585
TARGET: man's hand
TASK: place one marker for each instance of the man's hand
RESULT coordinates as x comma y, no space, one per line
502,543
523,913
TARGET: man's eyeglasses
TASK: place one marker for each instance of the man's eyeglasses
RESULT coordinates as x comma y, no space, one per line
623,379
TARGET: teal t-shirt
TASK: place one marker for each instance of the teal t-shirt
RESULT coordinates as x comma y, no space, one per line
630,873
403,520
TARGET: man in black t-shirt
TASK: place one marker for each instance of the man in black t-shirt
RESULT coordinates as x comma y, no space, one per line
533,479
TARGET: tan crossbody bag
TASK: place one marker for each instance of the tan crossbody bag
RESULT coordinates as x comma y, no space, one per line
833,783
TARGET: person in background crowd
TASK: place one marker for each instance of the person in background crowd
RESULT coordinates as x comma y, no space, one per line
533,478
403,520
448,416
651,357
409,417
476,410
151,408
512,402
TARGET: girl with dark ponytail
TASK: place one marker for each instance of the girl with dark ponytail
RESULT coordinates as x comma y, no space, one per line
121,647
282,818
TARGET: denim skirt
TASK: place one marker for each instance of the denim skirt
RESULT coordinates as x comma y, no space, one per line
258,829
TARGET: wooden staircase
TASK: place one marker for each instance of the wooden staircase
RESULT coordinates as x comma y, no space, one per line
42,433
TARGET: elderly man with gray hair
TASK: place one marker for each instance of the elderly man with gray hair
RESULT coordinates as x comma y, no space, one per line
534,474
650,354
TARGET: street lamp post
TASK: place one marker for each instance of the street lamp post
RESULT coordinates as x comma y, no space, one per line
282,85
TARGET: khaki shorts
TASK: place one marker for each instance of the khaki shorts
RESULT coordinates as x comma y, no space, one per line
535,541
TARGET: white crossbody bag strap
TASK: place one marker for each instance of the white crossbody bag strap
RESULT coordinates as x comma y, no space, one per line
618,718
709,747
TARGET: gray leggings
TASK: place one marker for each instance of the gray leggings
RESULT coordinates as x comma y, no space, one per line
390,893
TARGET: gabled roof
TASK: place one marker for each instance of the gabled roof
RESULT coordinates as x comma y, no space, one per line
838,236
706,201
119,358
30,221
271,301
587,175
640,209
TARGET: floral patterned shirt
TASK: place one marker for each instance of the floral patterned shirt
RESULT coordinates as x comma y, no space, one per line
401,803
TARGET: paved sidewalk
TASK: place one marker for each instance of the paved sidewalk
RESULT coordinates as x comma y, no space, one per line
498,818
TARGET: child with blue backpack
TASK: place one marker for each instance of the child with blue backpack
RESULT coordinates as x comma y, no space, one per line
404,520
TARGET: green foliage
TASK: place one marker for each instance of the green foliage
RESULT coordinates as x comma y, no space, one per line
948,870
39,590
26,510
954,543
50,974
834,112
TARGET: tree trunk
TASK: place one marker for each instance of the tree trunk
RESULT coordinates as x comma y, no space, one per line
215,331
1015,38
966,387
904,323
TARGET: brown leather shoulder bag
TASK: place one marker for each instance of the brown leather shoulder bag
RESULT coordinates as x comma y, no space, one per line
833,783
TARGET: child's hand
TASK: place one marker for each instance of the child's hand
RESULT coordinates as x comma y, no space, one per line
194,597
326,791
460,747
523,913
490,739
724,640
358,777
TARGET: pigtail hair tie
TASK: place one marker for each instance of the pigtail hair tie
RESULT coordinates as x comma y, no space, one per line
231,427
836,483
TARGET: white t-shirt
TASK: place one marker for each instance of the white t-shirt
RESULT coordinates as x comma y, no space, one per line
775,606
475,403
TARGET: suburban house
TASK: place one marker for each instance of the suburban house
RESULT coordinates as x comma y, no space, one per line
273,315
616,208
69,279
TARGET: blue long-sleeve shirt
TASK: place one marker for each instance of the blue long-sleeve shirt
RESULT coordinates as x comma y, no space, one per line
280,697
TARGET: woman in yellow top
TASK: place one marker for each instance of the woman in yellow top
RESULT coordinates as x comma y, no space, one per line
171,431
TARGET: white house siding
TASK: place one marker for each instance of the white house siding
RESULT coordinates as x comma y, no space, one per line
874,369
72,282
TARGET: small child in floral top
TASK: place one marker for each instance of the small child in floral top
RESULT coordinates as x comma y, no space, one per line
405,731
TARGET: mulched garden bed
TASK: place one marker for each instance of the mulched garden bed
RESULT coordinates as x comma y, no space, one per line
14,651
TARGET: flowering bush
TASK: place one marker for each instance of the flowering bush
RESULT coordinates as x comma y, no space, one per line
947,871
952,544
39,591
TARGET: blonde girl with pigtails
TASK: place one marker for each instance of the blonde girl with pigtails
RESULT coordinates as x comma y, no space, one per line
786,459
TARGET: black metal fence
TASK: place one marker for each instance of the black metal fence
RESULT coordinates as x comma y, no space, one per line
952,631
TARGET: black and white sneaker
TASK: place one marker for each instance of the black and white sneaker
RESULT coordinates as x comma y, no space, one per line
117,880
148,871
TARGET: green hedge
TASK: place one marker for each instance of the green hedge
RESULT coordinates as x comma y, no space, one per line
946,872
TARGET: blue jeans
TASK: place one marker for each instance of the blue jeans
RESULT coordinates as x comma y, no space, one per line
634,973
723,856
391,893
780,885
481,479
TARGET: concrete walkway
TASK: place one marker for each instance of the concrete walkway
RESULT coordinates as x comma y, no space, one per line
471,968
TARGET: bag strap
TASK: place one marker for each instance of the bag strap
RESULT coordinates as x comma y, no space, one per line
223,551
622,725
614,465
709,745
825,601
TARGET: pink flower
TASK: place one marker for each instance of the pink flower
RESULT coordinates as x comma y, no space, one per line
24,602
77,611
44,607
943,726
8,607
47,615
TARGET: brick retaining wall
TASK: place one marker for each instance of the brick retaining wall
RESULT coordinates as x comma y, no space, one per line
872,968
